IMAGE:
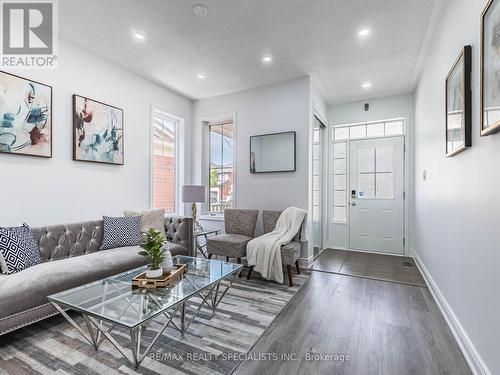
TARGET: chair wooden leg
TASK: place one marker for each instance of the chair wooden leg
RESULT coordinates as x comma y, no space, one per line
210,256
238,260
289,270
250,269
297,266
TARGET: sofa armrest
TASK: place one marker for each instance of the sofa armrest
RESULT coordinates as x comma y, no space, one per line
179,230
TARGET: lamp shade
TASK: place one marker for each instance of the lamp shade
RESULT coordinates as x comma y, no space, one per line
193,193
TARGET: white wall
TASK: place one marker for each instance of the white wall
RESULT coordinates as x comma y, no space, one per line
59,190
267,109
401,106
458,206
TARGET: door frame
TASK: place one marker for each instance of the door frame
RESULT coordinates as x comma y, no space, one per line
406,185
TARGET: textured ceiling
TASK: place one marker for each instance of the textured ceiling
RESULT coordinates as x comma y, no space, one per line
303,36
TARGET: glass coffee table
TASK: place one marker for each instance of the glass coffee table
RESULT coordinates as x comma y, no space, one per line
112,302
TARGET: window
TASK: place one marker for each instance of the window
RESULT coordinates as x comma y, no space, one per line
164,161
340,182
367,130
375,173
221,166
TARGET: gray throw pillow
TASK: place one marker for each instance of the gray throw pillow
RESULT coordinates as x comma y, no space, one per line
150,219
120,232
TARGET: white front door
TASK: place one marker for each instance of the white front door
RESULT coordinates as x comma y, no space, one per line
376,195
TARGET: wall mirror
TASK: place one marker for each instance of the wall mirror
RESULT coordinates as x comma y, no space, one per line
272,152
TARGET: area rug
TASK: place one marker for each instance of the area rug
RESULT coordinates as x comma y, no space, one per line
213,344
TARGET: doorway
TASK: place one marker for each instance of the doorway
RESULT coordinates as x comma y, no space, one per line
367,176
376,195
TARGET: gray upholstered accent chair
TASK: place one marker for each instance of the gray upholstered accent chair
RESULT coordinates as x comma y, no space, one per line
289,253
240,229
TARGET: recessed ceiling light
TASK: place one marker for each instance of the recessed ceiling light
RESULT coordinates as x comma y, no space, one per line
364,32
200,76
200,10
366,85
267,59
139,36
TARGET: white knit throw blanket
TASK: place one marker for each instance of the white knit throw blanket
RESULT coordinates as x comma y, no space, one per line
264,252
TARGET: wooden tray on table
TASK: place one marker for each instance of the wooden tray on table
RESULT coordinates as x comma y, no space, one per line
141,281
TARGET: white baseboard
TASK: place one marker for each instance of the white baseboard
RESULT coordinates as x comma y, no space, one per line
476,363
306,262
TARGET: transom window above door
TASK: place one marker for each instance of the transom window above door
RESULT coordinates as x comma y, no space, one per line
377,129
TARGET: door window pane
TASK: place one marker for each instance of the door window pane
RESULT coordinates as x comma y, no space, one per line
339,214
341,133
316,167
366,186
385,186
394,128
339,182
339,198
339,166
366,160
358,131
375,130
316,181
339,150
384,159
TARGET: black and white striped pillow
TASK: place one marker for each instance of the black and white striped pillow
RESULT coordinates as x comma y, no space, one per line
121,231
18,249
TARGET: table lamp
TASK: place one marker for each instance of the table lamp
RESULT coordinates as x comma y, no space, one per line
194,194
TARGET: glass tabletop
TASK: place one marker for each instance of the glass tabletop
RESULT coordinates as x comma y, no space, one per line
115,300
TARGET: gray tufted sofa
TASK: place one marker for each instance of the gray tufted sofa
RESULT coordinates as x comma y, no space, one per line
71,257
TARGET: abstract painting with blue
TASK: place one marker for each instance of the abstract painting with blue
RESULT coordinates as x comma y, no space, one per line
97,131
25,116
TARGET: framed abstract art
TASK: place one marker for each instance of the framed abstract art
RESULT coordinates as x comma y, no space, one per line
97,131
25,116
490,68
458,104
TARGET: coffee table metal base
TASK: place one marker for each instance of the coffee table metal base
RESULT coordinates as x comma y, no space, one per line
98,332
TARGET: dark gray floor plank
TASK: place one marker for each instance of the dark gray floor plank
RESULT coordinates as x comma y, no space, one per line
369,265
385,328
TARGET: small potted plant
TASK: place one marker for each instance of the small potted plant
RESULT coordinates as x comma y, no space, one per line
154,252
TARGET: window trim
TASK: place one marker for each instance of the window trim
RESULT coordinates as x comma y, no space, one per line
156,111
206,121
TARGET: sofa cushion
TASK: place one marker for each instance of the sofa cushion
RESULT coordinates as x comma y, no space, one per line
18,249
176,249
30,287
150,219
121,231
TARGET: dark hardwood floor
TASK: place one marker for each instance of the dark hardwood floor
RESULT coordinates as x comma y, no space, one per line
385,328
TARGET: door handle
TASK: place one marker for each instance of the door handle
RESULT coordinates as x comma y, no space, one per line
353,204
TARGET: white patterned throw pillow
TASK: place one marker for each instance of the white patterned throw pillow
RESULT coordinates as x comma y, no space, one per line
121,231
18,249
